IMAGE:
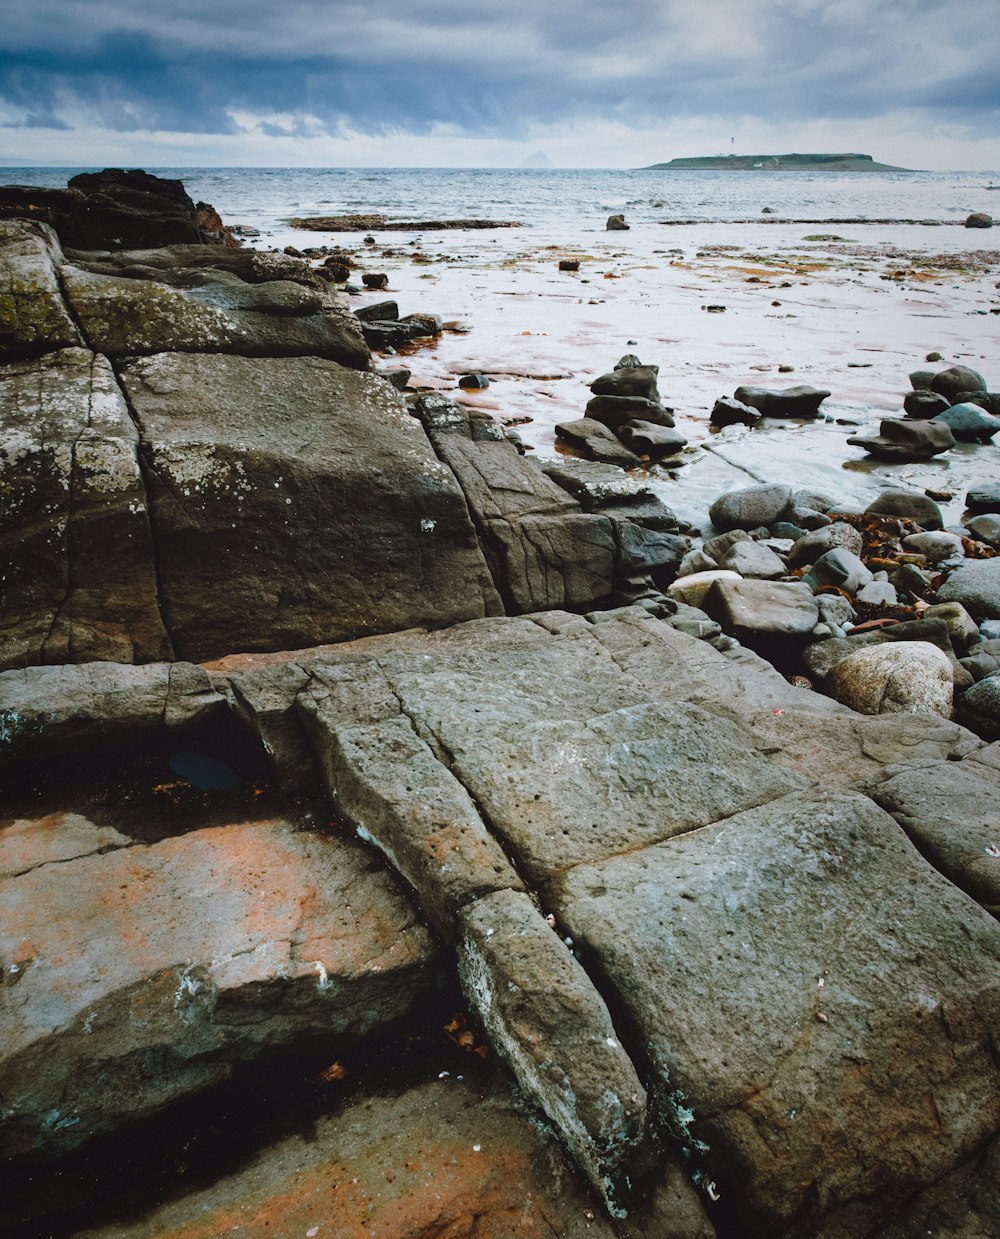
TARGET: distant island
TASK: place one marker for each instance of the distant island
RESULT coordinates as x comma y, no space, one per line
771,163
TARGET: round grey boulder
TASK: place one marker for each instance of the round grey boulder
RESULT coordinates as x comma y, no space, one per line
838,534
750,508
904,677
976,585
969,422
957,381
909,505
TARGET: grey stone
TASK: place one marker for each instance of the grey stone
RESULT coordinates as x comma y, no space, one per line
800,401
241,456
597,442
696,561
924,404
956,381
812,546
909,505
906,440
935,547
969,423
136,317
642,550
750,507
79,582
648,439
715,548
985,528
877,594
33,315
759,613
835,609
905,677
983,497
632,381
615,411
976,585
951,811
813,499
548,1021
979,706
748,1033
962,630
752,559
729,412
838,567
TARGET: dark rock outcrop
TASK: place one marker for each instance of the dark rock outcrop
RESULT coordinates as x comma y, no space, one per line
117,210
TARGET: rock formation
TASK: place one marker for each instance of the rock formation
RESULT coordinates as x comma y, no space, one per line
363,778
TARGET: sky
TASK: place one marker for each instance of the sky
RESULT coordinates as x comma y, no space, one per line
455,83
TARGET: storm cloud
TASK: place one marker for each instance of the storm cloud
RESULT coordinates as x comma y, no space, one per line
308,68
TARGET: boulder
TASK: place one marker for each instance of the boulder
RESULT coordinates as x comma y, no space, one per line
597,442
642,551
615,411
920,380
910,506
908,677
750,507
790,1064
648,439
838,534
839,567
956,381
906,440
241,456
924,404
33,315
800,401
692,588
197,953
935,547
753,559
729,412
632,381
979,219
79,577
616,223
762,614
985,528
969,423
976,585
983,497
979,706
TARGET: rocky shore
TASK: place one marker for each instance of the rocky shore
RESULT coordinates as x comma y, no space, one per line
402,836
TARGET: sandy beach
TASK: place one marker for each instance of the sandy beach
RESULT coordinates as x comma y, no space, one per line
854,315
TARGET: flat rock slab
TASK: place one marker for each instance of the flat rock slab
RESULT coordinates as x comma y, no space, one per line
79,580
135,317
951,811
33,316
452,1158
134,977
817,1003
242,456
543,1014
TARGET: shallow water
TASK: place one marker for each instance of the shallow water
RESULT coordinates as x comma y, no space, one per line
838,312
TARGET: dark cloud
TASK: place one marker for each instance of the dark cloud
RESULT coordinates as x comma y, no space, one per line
408,66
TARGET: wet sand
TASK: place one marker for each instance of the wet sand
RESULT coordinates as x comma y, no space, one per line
854,315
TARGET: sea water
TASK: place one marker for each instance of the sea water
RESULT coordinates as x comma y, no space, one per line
550,198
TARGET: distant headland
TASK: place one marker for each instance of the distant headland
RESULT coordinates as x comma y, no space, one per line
794,163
